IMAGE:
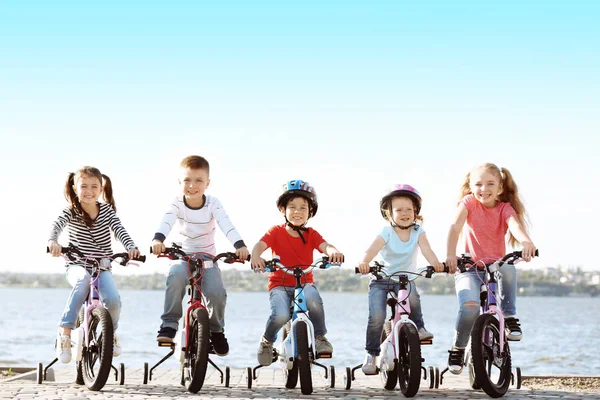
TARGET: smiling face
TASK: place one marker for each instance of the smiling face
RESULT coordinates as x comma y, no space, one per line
403,211
193,184
296,211
87,188
485,186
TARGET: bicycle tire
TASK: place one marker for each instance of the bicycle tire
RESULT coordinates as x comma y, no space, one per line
97,356
197,351
306,385
389,379
79,364
485,342
291,375
472,379
409,360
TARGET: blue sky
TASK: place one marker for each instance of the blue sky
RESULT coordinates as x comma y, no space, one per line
350,96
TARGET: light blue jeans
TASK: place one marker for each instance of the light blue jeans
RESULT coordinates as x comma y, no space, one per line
378,290
213,291
281,298
79,278
468,286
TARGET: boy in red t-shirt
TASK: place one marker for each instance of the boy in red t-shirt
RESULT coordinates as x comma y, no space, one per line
294,244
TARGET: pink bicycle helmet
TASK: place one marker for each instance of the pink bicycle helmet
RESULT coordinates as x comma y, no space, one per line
300,188
400,189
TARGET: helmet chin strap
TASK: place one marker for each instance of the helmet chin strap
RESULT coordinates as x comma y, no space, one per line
413,225
298,229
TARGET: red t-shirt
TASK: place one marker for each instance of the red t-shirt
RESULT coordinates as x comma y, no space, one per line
485,230
291,251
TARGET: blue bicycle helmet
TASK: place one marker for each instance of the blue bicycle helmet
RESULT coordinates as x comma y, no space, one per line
300,188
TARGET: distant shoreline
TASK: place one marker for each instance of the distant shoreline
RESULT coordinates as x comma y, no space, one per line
530,283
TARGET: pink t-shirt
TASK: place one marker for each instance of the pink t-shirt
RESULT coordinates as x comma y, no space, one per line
485,230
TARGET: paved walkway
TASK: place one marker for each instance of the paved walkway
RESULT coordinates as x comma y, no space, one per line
269,384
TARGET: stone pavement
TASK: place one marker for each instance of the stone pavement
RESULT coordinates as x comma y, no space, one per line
269,384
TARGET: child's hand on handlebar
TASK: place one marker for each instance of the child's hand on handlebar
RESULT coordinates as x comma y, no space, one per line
335,257
438,266
133,253
451,262
158,247
364,268
242,253
528,251
258,264
55,248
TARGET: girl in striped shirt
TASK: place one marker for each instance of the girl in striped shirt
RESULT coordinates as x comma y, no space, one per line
89,222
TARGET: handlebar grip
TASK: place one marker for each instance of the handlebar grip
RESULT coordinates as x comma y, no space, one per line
151,250
140,258
537,252
47,249
446,268
356,271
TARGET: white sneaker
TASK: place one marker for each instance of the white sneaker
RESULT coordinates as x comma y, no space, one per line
63,348
265,352
424,334
369,366
116,346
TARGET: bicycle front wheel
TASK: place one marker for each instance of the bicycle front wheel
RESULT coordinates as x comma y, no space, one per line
409,360
196,357
98,352
492,368
388,378
303,358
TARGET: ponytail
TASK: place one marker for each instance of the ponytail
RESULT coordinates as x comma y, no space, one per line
107,193
510,194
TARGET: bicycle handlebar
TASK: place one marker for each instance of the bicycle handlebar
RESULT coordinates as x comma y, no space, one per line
72,249
175,253
466,261
274,264
378,268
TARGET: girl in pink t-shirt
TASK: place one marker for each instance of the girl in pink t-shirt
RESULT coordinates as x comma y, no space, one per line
490,206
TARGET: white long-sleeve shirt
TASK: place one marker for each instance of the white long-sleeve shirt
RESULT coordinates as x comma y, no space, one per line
198,225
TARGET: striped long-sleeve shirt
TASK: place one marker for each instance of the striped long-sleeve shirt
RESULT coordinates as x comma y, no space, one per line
198,225
94,240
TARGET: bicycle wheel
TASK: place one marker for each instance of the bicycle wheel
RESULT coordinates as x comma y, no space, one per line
79,364
492,369
409,360
98,352
472,379
303,358
388,378
291,375
196,361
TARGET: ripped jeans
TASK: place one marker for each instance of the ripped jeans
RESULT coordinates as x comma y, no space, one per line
467,286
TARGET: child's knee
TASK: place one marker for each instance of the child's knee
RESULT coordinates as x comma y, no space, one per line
113,304
469,310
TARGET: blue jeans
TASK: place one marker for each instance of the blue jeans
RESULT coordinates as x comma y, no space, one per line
213,291
79,278
467,290
378,290
281,298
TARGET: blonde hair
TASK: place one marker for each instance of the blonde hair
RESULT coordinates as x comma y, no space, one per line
71,196
509,193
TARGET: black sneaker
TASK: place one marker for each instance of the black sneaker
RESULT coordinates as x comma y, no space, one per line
513,329
219,343
456,360
166,335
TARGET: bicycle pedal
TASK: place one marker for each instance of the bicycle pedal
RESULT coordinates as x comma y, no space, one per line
427,341
166,344
324,355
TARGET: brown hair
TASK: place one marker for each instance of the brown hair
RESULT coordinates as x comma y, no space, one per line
71,196
415,203
509,193
195,162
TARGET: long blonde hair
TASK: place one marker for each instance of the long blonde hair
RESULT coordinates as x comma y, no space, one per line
71,196
509,193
